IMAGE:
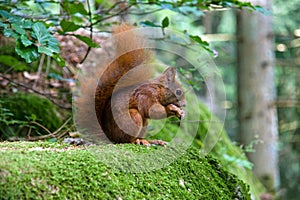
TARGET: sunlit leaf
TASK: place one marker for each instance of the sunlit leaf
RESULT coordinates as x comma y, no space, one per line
41,32
47,43
10,33
27,24
33,117
25,41
60,61
45,50
53,44
18,28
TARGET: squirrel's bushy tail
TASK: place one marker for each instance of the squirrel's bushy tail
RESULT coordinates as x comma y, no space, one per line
130,51
120,54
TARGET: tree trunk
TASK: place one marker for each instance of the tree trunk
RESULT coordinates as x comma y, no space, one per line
256,92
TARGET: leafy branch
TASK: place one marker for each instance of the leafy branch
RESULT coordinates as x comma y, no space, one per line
34,38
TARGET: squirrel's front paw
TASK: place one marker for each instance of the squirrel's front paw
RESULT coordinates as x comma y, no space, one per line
175,110
182,114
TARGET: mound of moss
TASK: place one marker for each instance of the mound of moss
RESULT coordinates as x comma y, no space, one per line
228,153
55,171
18,110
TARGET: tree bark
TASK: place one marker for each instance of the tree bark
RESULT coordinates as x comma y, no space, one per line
256,92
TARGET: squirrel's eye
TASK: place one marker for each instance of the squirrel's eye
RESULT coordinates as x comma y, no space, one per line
178,92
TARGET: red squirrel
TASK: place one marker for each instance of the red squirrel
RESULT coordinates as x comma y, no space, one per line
123,112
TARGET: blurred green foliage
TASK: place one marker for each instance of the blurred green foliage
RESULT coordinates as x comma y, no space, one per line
287,73
18,110
287,40
32,24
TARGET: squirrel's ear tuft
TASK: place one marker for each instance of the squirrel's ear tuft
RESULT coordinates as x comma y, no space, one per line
170,74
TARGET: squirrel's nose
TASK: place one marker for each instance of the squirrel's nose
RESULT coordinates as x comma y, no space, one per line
182,103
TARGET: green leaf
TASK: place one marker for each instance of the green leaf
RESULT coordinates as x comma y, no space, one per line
27,24
86,40
33,117
18,28
60,61
204,44
165,22
15,19
47,43
132,2
28,53
73,8
68,26
4,14
25,41
41,32
197,39
3,25
10,33
45,50
53,44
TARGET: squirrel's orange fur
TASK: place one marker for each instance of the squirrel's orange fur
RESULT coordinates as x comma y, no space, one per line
123,110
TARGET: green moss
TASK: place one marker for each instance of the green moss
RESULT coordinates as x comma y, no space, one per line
52,171
229,154
23,108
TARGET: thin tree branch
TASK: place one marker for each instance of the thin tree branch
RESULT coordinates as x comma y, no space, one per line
39,70
64,124
113,15
145,13
43,127
35,91
55,134
282,103
91,31
101,12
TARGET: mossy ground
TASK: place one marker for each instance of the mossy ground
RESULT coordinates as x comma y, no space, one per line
44,170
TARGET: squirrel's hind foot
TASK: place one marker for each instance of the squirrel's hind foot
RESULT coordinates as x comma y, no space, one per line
147,143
